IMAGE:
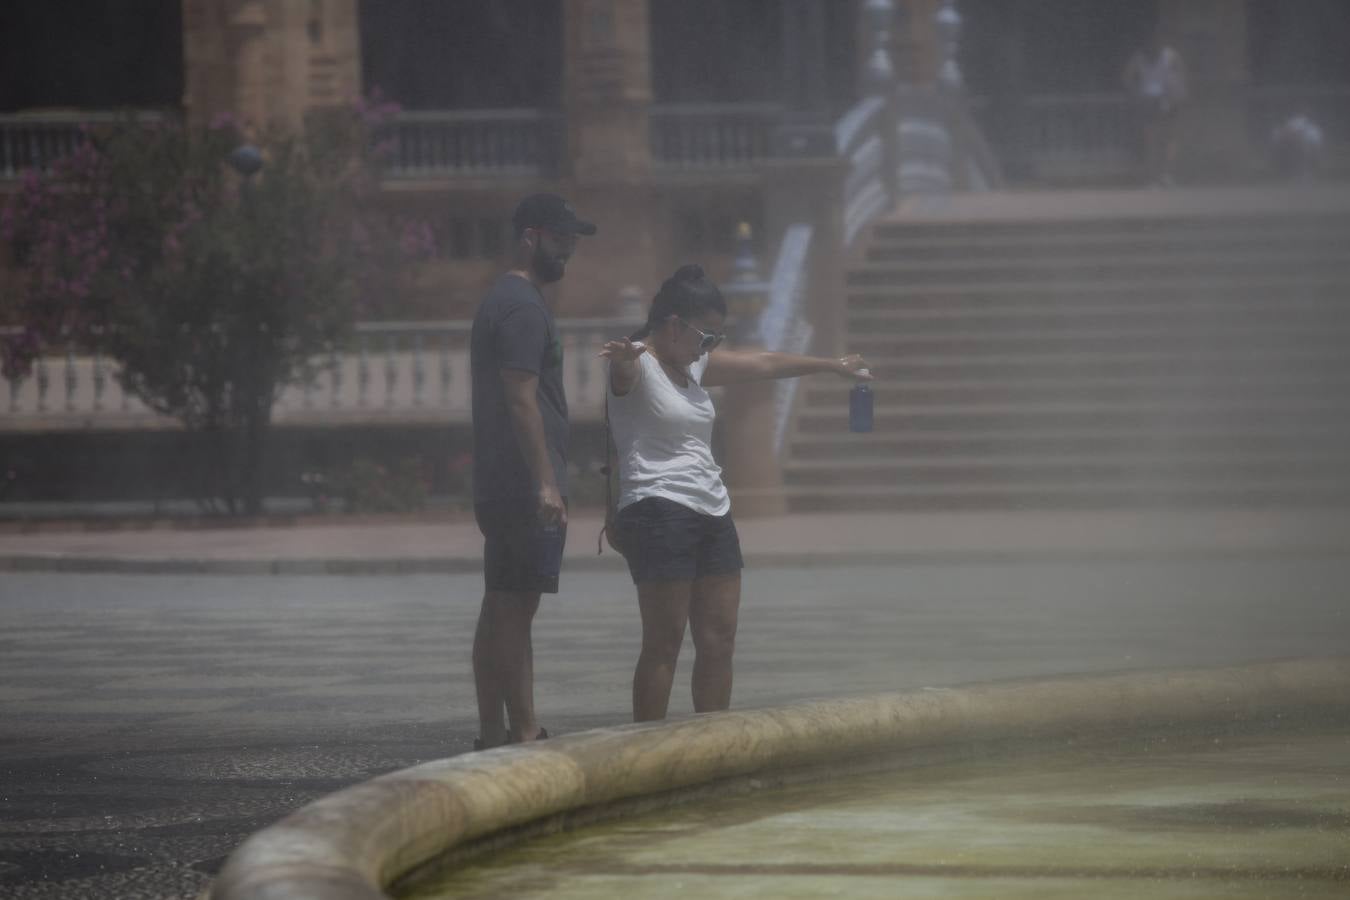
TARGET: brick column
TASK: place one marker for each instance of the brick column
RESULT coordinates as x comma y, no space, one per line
607,96
914,42
267,63
607,89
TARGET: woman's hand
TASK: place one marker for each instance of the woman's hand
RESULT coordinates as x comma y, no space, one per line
623,350
623,368
852,367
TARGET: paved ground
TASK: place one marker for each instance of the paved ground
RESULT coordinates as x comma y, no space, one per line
443,544
150,721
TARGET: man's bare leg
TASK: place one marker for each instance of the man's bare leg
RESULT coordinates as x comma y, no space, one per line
503,666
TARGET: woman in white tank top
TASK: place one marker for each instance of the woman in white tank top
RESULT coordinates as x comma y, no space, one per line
674,523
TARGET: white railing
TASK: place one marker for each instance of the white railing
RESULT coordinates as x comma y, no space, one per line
712,136
859,140
392,373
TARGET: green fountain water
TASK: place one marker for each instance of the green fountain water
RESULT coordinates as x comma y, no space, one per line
1265,816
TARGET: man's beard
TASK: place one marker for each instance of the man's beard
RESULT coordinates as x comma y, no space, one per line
548,267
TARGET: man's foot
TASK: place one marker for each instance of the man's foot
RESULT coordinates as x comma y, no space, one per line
481,744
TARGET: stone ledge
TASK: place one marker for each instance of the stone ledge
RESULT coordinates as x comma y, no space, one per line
352,844
612,562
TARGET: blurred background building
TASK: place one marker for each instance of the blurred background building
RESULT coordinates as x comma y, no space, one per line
668,122
659,115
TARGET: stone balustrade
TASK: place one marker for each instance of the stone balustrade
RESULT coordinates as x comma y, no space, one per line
713,135
395,373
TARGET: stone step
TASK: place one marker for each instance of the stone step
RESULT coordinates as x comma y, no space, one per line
1064,469
1103,442
1306,286
1157,238
1134,270
1268,343
1090,351
1200,311
1109,228
1141,388
1279,493
1032,246
1325,361
1038,418
1266,327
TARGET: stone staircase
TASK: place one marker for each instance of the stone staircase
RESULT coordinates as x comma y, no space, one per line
1098,350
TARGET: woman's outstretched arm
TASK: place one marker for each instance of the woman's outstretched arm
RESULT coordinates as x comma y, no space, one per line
736,366
623,365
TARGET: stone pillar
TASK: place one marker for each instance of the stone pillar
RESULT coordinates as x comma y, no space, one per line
746,411
915,45
607,89
607,96
1211,36
754,476
248,62
810,190
267,62
208,88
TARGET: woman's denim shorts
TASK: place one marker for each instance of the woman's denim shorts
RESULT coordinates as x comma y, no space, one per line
667,541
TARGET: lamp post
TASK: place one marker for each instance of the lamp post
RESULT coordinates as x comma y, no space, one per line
245,159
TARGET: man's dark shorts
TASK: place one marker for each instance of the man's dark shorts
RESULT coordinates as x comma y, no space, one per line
517,556
667,541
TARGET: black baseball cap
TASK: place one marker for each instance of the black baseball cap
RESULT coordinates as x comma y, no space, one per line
549,211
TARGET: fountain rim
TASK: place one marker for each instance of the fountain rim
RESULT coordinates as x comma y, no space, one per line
353,844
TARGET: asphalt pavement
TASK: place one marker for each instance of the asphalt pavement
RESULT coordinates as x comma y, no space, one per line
151,719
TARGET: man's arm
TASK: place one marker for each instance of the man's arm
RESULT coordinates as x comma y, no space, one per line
522,402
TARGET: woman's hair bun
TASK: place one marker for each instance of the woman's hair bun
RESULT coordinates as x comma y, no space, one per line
689,272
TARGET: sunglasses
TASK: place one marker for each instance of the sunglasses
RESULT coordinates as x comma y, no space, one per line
707,340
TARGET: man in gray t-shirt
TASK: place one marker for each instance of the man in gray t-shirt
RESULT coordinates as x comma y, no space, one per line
520,463
514,330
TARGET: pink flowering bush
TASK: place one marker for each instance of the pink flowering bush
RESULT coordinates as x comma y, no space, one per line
212,290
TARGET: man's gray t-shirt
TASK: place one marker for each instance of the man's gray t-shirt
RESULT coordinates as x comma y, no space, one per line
513,329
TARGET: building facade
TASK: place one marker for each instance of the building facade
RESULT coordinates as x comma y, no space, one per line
667,121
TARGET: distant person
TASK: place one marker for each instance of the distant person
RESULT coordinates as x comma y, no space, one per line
519,463
674,523
1155,78
1296,145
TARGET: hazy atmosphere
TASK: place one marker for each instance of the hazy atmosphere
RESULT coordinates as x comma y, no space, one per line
531,388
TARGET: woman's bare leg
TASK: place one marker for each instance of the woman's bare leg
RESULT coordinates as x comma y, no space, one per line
713,611
665,613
